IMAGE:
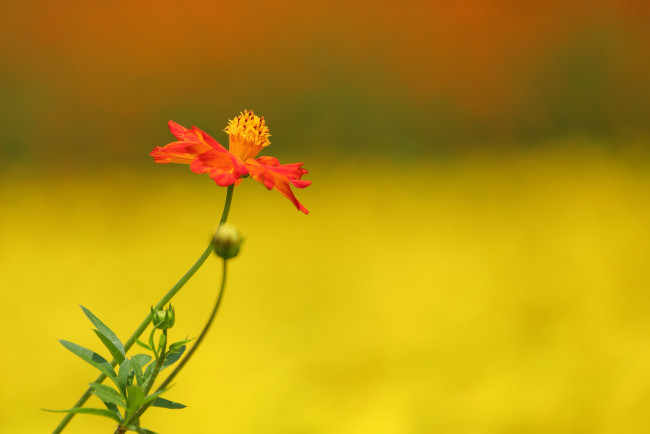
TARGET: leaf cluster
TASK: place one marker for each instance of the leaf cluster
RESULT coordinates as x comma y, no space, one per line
133,379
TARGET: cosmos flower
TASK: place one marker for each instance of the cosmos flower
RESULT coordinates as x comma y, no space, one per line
248,135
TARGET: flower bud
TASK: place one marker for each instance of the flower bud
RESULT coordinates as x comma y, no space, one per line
163,318
227,241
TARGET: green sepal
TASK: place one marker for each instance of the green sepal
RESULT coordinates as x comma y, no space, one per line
96,411
92,358
108,394
165,403
107,336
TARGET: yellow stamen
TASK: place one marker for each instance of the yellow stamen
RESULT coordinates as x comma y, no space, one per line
248,135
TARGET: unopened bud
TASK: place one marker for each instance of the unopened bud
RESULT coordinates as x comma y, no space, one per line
227,241
163,318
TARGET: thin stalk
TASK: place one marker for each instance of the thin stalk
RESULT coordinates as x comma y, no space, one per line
182,363
156,370
163,301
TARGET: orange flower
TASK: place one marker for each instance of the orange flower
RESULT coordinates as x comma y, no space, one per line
248,135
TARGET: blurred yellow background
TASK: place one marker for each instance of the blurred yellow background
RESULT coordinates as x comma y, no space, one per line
476,255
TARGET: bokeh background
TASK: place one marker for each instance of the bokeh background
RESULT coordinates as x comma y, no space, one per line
476,256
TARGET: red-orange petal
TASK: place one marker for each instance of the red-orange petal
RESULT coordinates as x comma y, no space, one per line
177,130
191,143
222,167
269,171
177,152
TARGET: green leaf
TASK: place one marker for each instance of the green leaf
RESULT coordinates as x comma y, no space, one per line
137,368
96,411
111,340
92,358
125,375
143,359
164,403
143,345
148,372
153,397
153,347
112,407
117,356
179,344
173,357
134,398
108,394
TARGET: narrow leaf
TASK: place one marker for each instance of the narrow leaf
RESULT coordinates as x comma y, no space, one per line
92,358
165,403
148,372
143,359
125,375
153,397
96,411
134,399
143,345
115,352
137,369
112,407
108,394
173,357
153,347
108,333
179,344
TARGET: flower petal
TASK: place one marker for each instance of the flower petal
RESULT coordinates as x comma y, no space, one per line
177,130
269,171
175,152
222,167
191,143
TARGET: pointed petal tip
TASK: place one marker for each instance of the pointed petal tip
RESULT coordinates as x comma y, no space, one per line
177,129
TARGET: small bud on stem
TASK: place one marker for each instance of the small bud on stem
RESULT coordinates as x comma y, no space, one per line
227,241
164,319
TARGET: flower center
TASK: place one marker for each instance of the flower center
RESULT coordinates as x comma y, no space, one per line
248,135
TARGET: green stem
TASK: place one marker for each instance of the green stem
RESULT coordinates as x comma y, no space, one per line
182,363
163,301
156,370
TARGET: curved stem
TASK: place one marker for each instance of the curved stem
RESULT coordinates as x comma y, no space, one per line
226,205
163,301
182,363
203,332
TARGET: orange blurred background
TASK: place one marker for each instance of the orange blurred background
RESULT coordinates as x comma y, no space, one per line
475,259
94,80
